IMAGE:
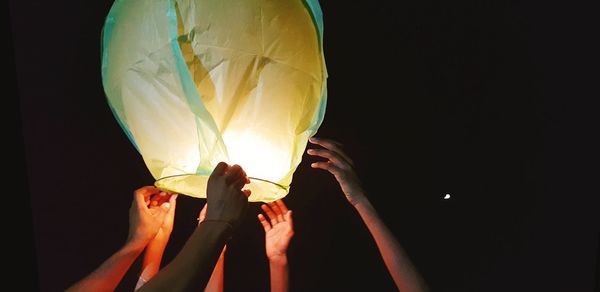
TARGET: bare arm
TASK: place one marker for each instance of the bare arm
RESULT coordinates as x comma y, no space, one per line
216,281
156,247
397,262
109,274
279,273
195,262
226,204
403,272
279,231
144,223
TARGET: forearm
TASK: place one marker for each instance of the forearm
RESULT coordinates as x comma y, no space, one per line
397,262
195,262
215,283
278,268
152,260
110,273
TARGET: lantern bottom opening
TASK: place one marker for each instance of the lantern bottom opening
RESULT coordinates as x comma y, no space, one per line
195,185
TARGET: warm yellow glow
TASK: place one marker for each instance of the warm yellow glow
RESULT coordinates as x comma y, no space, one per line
193,83
259,157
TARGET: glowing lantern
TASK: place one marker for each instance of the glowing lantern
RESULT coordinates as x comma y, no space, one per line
193,83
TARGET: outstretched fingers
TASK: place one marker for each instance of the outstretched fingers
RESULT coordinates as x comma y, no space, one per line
265,224
272,216
326,165
277,211
334,157
333,146
288,217
282,206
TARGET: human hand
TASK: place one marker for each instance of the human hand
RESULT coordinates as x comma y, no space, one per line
225,199
340,165
145,220
164,232
279,231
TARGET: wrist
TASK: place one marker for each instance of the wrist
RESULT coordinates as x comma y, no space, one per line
156,245
139,238
362,204
278,260
160,239
135,245
217,222
135,240
358,198
223,228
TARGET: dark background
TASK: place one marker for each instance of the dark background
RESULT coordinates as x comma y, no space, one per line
485,100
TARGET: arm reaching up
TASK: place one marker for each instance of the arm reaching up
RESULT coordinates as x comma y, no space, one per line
226,205
405,276
145,221
279,230
156,247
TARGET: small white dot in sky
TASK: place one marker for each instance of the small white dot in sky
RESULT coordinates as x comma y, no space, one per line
447,196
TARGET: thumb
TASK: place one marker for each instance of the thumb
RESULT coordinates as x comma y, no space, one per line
172,204
165,207
164,210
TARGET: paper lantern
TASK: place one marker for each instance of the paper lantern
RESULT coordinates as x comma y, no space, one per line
193,83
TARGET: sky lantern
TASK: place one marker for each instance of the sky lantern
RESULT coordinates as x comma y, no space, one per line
193,83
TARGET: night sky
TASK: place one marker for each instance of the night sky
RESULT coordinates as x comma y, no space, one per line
482,100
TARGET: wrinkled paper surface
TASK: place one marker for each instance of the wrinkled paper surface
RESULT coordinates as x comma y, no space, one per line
193,83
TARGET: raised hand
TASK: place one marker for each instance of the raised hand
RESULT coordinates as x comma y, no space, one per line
279,230
156,246
146,219
340,165
164,232
226,201
401,269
